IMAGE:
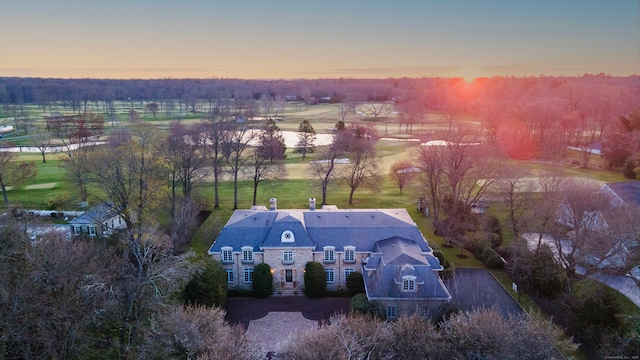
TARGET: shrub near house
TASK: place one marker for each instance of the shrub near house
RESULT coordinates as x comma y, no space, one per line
315,280
262,281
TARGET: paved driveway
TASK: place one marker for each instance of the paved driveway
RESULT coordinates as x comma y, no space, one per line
243,310
477,288
624,284
269,321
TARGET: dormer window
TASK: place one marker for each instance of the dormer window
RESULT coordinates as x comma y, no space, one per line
227,255
409,283
287,236
349,254
329,254
247,254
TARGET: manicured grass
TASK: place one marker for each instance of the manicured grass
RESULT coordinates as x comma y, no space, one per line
627,306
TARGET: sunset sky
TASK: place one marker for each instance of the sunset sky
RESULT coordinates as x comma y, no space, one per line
317,39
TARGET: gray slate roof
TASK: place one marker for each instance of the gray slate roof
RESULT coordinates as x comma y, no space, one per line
94,216
245,228
317,228
395,258
627,191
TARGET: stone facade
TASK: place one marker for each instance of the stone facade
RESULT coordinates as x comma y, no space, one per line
385,245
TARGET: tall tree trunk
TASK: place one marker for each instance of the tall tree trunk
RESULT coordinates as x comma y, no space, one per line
255,190
4,191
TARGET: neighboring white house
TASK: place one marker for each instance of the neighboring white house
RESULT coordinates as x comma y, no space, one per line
385,245
101,220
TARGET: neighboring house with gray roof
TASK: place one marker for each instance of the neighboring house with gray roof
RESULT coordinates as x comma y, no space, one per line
385,245
618,194
100,220
623,193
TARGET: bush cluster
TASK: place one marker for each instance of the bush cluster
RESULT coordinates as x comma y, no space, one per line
207,287
355,283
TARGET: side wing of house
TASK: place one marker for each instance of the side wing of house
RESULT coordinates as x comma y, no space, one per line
403,279
238,245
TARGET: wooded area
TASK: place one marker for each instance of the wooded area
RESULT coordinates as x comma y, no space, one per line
159,151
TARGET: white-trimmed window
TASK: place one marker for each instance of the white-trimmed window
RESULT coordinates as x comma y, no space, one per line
248,276
247,254
349,254
330,275
227,255
230,276
287,257
77,230
408,283
92,231
391,312
329,254
348,272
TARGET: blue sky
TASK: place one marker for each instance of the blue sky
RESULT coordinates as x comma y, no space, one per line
317,39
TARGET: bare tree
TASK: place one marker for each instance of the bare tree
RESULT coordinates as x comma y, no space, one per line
128,172
280,105
492,114
133,117
55,298
583,211
478,334
147,278
596,111
236,139
187,160
516,188
152,107
403,172
458,171
267,158
43,141
324,167
378,109
487,334
77,133
354,337
215,130
13,172
199,333
363,167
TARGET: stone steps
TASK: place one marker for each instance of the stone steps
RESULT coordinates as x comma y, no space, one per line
288,292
